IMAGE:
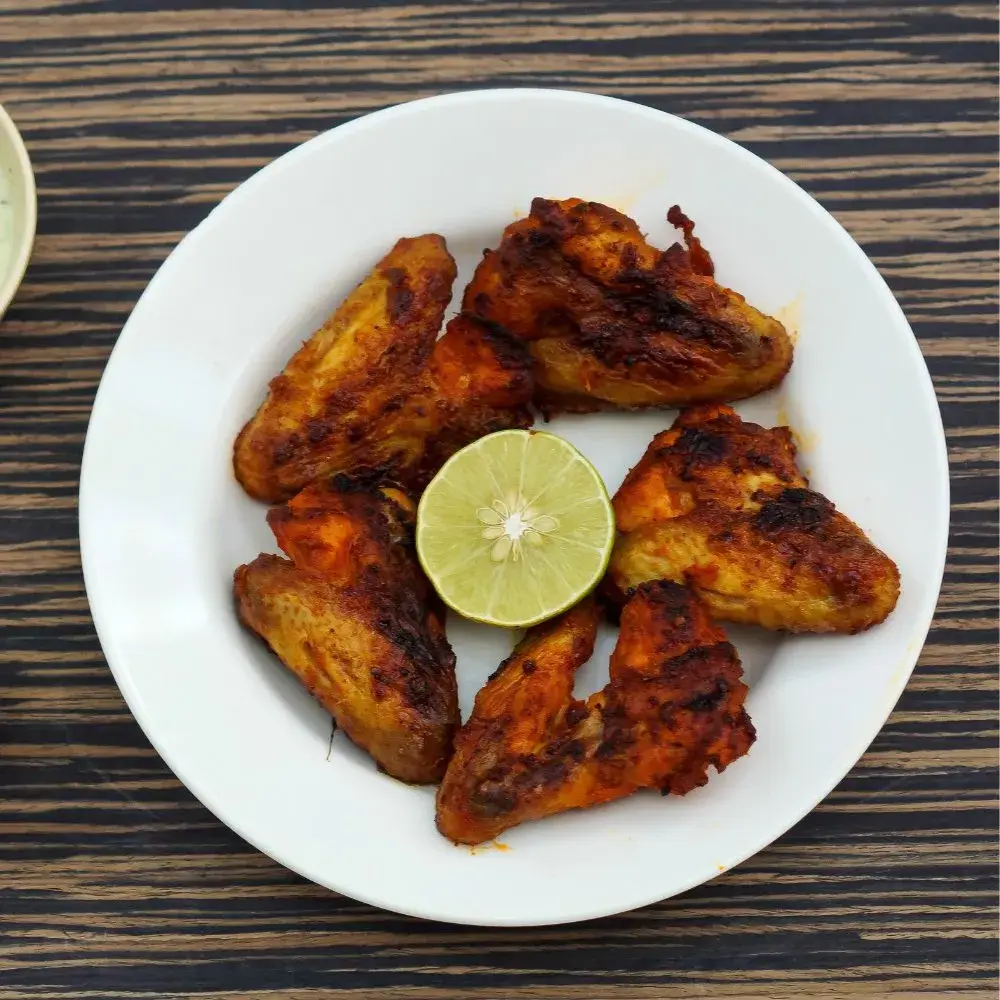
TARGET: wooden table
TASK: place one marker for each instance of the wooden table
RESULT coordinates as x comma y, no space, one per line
140,116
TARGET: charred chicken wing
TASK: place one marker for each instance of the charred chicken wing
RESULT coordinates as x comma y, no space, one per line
673,707
613,322
720,504
359,365
352,616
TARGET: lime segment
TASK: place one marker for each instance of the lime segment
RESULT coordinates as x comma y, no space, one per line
515,528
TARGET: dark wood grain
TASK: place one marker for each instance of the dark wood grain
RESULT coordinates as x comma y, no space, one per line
139,115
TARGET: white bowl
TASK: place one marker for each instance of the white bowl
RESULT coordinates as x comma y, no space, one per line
163,523
18,209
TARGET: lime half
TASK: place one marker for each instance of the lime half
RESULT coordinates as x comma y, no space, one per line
515,528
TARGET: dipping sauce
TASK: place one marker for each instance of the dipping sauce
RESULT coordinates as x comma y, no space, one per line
6,222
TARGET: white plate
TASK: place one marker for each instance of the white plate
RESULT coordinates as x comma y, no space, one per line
163,523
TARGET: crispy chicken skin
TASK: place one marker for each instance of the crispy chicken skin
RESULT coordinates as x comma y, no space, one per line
352,616
720,504
673,706
358,365
478,380
613,322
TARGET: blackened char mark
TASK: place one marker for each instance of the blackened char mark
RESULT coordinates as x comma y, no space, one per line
511,354
673,599
794,509
708,700
491,798
400,294
699,449
647,299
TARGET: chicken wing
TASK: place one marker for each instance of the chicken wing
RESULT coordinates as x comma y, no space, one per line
476,381
359,365
613,322
672,707
353,617
720,504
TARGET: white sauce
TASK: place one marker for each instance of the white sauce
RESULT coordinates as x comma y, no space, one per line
6,222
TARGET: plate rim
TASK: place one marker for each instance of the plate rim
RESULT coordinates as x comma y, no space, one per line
922,622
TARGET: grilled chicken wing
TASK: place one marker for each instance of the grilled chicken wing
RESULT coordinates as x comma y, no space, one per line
352,616
613,322
673,706
357,366
720,504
